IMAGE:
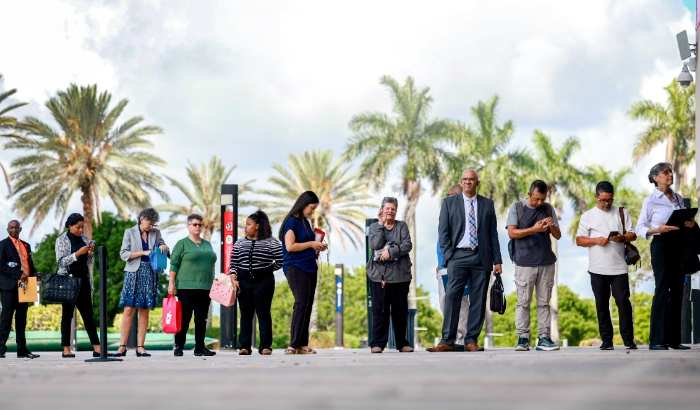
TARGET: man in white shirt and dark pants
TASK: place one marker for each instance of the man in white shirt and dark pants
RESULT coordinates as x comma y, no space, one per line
601,230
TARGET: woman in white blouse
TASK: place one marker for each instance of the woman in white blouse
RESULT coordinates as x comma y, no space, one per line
666,257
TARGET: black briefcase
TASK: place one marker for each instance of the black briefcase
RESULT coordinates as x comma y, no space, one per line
61,289
498,296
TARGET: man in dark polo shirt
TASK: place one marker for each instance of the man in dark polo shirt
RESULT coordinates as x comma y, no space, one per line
530,223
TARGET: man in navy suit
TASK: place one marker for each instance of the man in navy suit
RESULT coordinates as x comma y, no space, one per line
15,264
469,242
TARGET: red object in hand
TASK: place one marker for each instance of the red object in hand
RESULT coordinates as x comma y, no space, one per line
319,238
172,315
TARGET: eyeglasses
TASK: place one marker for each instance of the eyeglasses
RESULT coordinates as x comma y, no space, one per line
152,225
666,172
197,225
606,201
470,179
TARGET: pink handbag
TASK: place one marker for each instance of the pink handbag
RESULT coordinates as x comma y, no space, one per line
222,291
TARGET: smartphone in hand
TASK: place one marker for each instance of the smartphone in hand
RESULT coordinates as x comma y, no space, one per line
91,243
613,234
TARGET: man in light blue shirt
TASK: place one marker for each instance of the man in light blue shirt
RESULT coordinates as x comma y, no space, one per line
442,286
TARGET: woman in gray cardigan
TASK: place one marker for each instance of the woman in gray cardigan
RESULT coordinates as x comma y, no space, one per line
140,289
389,271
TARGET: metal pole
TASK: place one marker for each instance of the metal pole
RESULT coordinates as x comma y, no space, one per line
339,305
229,321
368,254
102,254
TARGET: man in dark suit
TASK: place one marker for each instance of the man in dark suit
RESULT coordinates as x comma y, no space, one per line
469,242
15,264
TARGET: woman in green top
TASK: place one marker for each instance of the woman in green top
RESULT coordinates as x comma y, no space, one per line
191,275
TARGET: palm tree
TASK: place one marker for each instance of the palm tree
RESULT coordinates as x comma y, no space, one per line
7,122
87,153
204,198
409,139
673,123
564,181
483,147
342,194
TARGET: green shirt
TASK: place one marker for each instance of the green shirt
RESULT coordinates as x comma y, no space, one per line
194,264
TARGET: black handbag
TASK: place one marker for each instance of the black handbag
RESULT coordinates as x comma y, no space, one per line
498,296
632,255
61,289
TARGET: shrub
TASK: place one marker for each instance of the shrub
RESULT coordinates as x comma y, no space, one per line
155,321
48,317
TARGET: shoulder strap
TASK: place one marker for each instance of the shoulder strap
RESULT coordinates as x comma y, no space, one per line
622,218
520,210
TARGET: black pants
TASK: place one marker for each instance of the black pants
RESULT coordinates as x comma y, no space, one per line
392,300
256,298
620,285
12,307
465,265
303,286
84,305
668,294
197,301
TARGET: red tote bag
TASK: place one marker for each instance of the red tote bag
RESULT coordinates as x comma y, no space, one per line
172,315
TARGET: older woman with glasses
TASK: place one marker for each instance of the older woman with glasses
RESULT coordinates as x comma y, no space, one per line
389,272
192,266
667,250
140,289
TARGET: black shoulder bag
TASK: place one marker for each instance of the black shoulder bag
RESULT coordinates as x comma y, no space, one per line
631,252
61,289
498,296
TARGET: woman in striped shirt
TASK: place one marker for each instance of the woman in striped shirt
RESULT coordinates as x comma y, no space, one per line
254,259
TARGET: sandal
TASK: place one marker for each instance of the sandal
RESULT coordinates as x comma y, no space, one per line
266,352
302,351
244,352
290,351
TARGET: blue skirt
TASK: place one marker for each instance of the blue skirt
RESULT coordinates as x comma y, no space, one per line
140,288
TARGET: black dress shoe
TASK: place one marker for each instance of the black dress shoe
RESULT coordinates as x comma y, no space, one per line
204,352
629,344
65,356
679,347
459,348
177,351
607,345
657,347
27,355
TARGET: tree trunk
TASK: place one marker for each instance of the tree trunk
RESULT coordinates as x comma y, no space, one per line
412,190
87,211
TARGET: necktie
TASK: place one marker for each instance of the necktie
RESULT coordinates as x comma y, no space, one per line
472,226
25,268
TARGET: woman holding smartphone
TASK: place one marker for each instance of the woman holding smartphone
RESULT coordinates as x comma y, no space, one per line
299,249
74,257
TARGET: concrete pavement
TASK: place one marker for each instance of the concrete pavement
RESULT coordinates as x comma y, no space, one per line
572,378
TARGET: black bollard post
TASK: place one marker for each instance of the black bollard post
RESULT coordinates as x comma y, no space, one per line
102,254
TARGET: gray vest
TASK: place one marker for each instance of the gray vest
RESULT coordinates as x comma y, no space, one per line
534,249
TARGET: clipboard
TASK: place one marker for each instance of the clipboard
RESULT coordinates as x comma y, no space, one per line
680,216
29,294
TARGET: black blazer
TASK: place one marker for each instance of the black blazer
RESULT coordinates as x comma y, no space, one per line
8,253
452,224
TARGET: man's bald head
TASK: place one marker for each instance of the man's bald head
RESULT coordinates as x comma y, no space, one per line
470,182
455,189
14,228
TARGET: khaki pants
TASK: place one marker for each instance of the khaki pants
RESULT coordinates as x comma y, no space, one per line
527,279
463,310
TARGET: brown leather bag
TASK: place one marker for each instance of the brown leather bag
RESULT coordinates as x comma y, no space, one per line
632,256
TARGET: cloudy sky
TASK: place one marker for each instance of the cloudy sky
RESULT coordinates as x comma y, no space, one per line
253,81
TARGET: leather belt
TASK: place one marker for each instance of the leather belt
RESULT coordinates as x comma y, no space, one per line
469,249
